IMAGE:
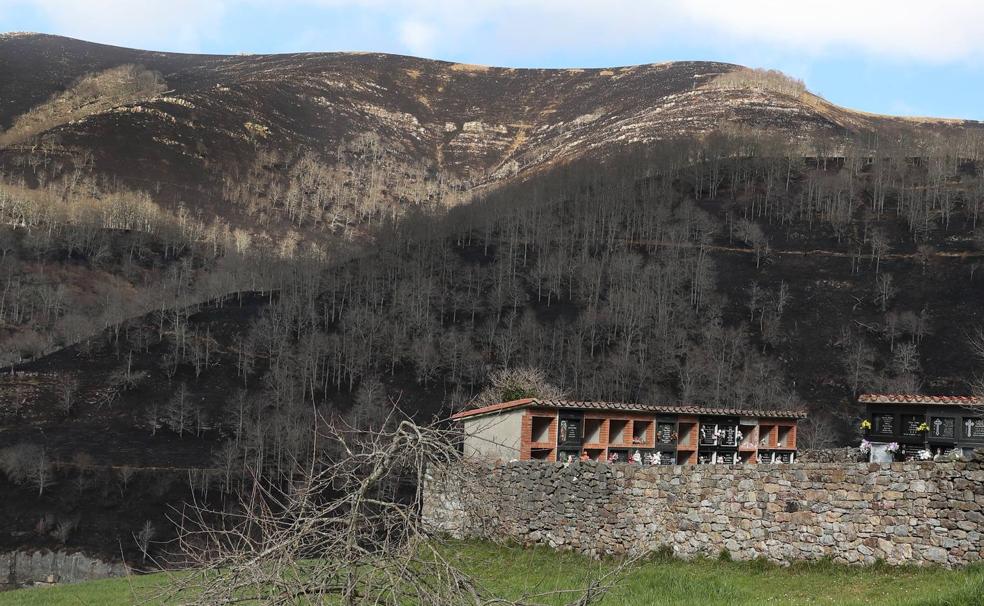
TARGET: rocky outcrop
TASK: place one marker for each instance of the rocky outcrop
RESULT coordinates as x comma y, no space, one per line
854,513
19,568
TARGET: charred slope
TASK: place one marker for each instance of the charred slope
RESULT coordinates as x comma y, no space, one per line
332,138
762,293
624,280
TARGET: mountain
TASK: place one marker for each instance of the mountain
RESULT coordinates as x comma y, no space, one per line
203,257
329,140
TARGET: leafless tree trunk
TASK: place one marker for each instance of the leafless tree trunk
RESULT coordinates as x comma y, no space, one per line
346,530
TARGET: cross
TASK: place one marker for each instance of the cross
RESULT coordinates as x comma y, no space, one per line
936,427
969,425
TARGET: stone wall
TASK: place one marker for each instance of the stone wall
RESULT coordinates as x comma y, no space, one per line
846,454
19,568
857,513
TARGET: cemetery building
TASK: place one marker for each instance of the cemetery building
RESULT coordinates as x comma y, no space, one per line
562,430
933,425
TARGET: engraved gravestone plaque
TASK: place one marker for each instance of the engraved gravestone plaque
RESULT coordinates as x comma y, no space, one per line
573,431
910,425
884,424
942,427
784,457
974,428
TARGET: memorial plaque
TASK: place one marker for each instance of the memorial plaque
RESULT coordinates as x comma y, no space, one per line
707,434
884,424
910,425
784,457
942,427
667,458
664,433
573,431
974,428
911,451
730,436
569,431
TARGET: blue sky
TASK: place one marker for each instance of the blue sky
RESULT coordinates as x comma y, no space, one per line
899,57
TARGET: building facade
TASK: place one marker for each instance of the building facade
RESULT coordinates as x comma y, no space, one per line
561,430
934,425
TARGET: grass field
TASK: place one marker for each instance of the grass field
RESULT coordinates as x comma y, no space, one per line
514,572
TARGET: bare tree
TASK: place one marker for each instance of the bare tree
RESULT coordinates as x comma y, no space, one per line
64,529
859,363
884,290
341,533
41,472
143,539
760,79
975,340
27,463
516,383
879,247
67,388
905,366
753,235
816,433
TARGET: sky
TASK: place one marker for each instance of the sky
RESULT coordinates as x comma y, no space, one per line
904,57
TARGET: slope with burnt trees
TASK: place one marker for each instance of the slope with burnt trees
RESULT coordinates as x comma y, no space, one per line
336,141
752,276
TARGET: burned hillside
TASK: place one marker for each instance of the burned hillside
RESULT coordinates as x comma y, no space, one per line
766,280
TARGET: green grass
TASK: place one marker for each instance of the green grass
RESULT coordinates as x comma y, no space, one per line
105,592
667,581
514,572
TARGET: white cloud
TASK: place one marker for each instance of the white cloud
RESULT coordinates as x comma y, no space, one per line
511,30
944,30
151,24
418,37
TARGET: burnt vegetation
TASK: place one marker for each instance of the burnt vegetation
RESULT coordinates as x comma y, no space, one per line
721,271
161,344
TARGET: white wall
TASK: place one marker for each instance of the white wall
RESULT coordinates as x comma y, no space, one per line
494,437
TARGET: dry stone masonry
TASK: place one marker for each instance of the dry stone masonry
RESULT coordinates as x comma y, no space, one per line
856,513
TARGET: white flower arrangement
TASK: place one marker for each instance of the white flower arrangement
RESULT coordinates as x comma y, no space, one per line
865,447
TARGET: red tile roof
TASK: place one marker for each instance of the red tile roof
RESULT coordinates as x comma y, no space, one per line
683,409
911,398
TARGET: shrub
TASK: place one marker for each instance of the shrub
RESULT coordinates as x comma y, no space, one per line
760,79
17,462
517,383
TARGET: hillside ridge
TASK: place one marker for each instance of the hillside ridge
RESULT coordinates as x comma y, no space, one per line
330,141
